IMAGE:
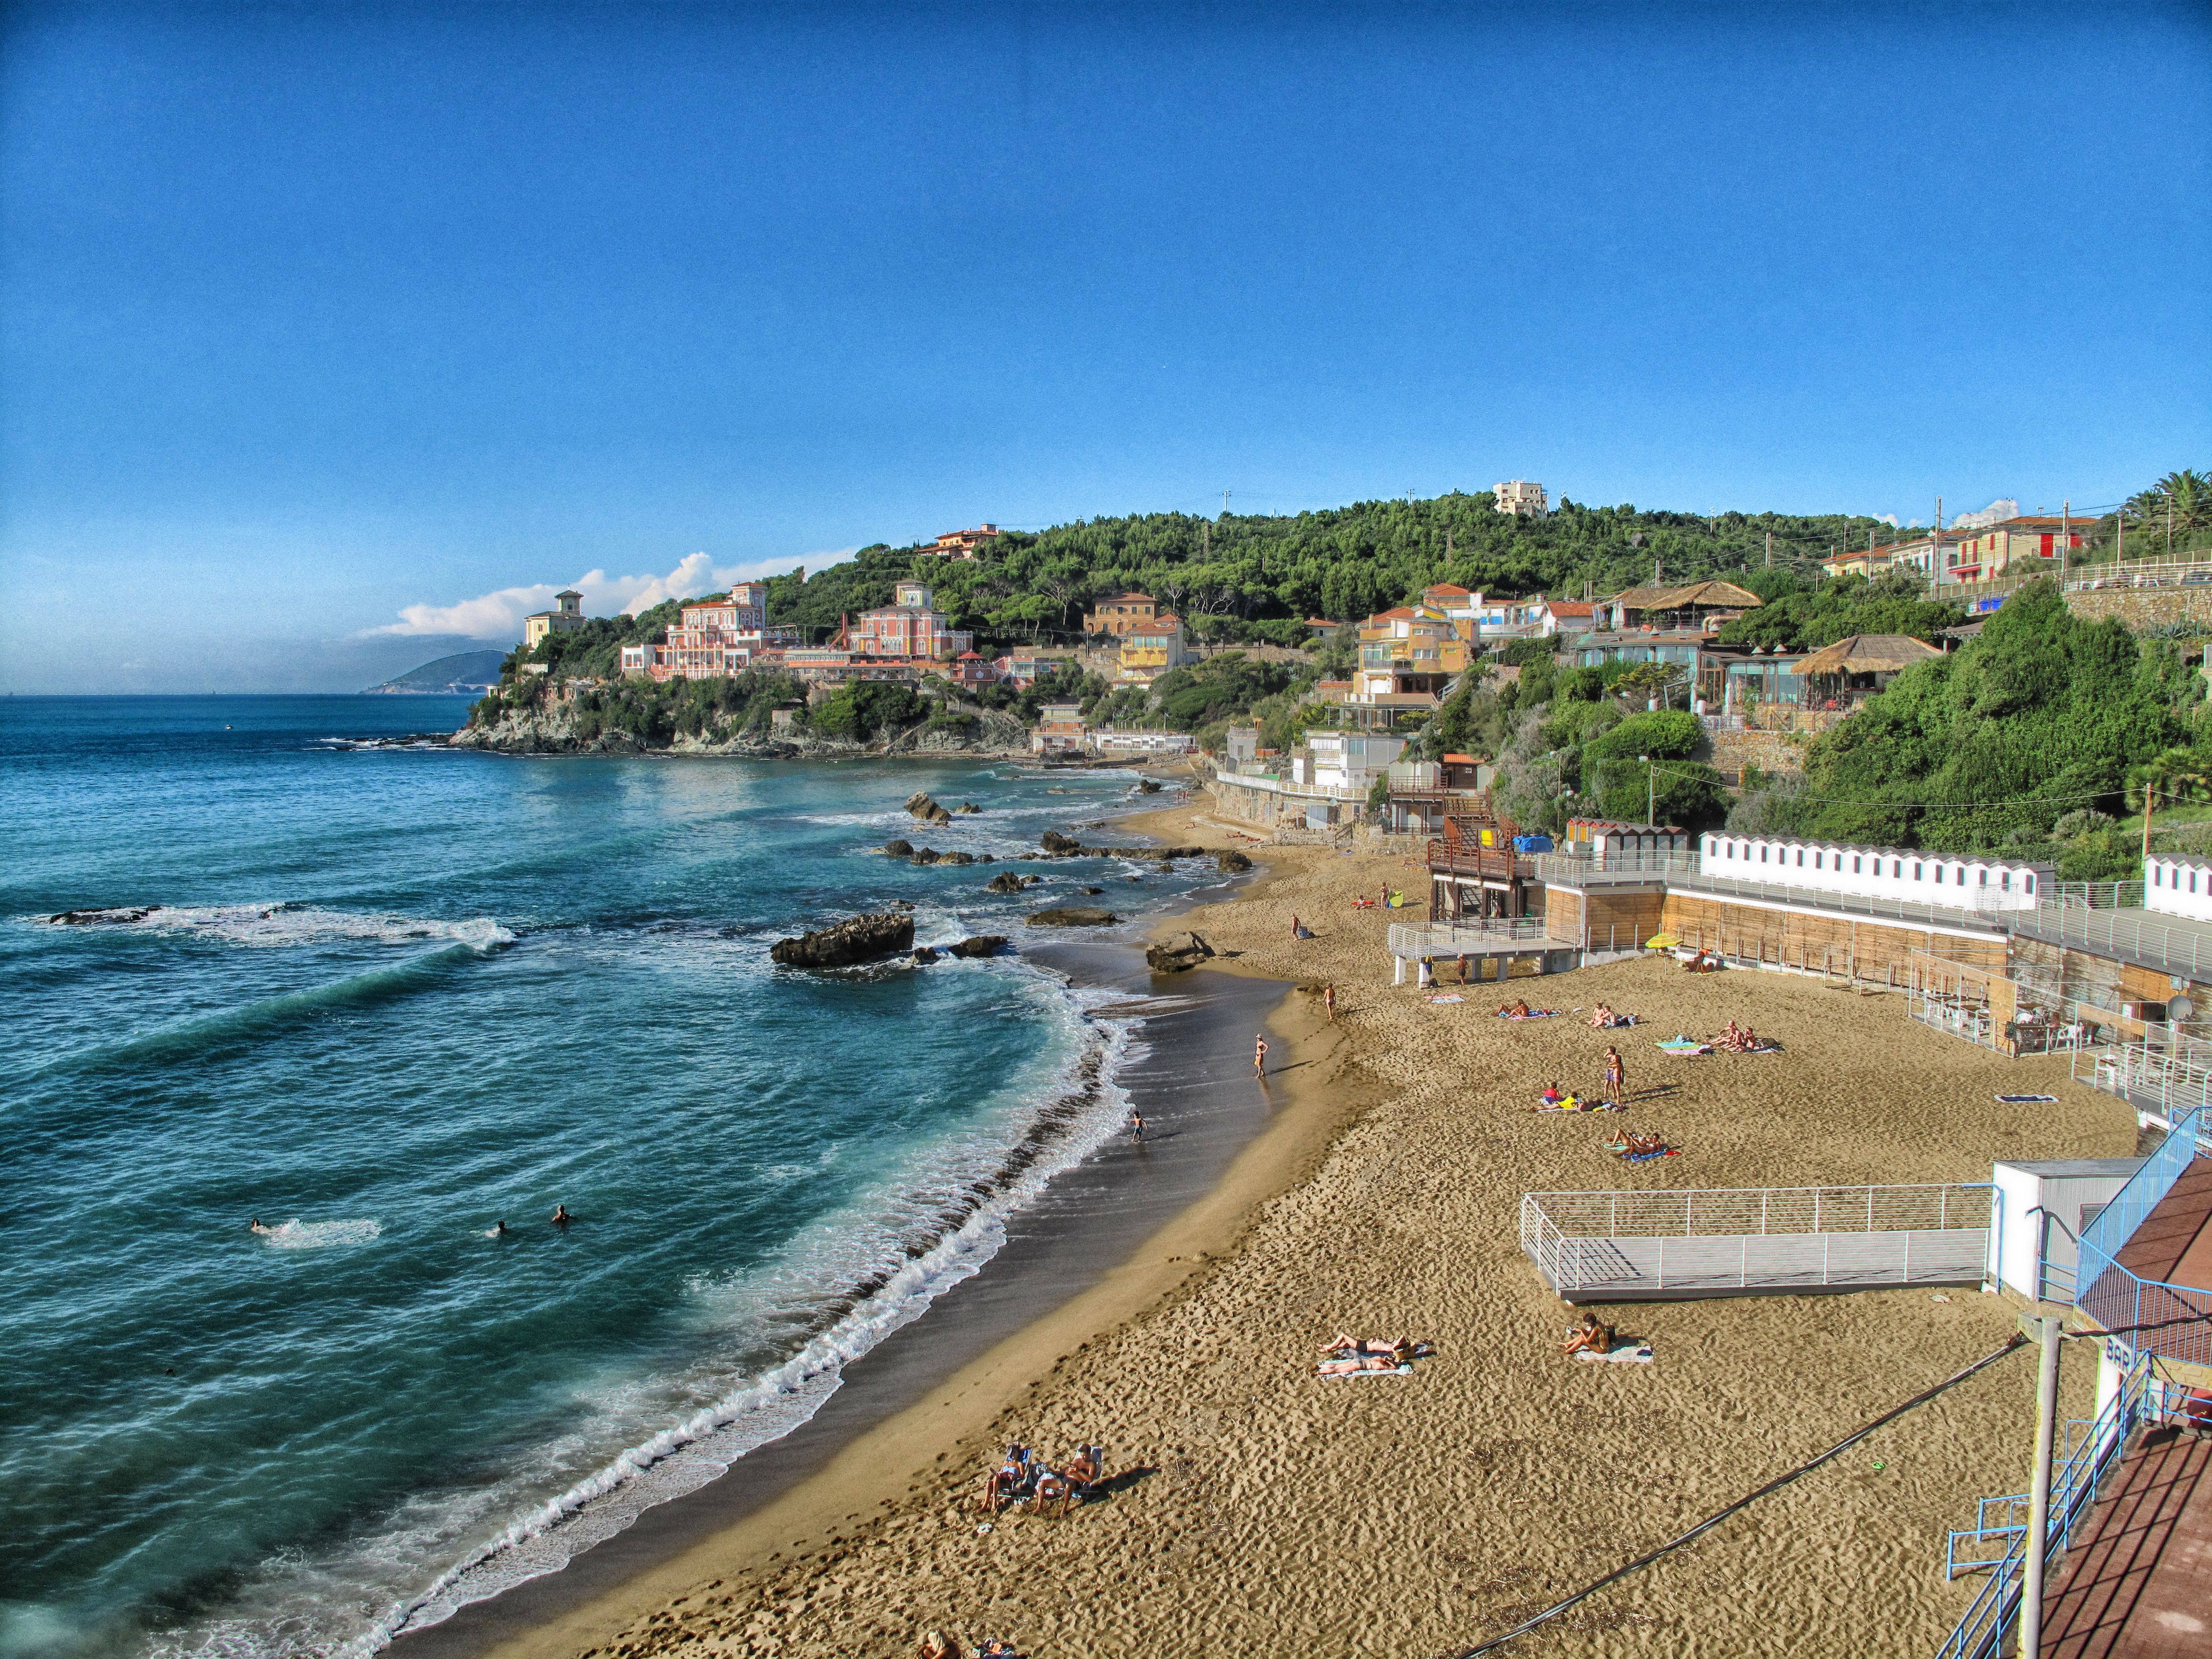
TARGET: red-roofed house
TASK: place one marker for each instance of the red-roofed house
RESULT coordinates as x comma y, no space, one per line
1118,615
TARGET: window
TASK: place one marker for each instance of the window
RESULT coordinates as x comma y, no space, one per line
1801,857
1762,853
1916,869
1984,876
2157,875
1855,864
2005,881
2031,884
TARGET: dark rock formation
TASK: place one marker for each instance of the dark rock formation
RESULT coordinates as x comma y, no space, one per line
919,805
859,938
899,849
969,807
1008,882
1231,861
1176,952
1074,916
986,858
957,858
926,855
923,955
1094,890
1059,845
93,918
982,945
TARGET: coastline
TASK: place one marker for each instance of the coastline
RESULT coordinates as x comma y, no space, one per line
1076,1244
1265,1511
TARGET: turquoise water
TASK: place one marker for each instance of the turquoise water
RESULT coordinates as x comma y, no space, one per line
394,996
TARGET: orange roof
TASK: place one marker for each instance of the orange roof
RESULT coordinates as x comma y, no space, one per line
1128,599
1394,610
1447,587
1570,608
1461,760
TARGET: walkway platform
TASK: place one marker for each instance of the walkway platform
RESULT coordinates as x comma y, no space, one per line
2137,1581
1796,1241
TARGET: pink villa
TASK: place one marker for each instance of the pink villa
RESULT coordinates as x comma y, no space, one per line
722,635
909,629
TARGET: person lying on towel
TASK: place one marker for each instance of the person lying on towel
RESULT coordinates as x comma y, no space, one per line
1592,1336
1628,1144
1517,1009
1358,1362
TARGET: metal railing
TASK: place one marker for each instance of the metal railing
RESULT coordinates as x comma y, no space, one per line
2086,1456
2173,1074
1449,938
2173,949
1779,1237
2118,1298
2142,573
2097,894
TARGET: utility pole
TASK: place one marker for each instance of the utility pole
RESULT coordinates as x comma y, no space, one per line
2065,539
2038,1502
1770,550
2150,795
1225,503
1650,791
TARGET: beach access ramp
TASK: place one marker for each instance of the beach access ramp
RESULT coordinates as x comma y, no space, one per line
1765,1241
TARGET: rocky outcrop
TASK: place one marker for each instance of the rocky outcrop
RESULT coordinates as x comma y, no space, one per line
957,858
924,855
860,939
1077,915
982,945
556,728
969,807
1059,845
1231,862
1148,787
920,806
1010,883
923,955
898,848
1176,952
127,913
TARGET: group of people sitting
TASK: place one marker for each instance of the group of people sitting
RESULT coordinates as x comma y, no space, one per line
1702,962
937,1646
1738,1040
1553,1099
1342,1355
1023,1475
1628,1144
1593,1335
1604,1019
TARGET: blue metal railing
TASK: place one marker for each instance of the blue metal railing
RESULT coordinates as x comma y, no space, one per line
2120,1300
2090,1451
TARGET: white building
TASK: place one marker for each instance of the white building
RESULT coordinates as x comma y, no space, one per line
1957,881
2177,886
2038,1214
1346,760
1519,495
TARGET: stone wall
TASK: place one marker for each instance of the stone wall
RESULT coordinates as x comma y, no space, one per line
1781,752
2147,607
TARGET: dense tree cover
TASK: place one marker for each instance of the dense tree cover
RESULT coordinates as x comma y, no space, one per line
1798,615
1244,578
1211,690
2045,715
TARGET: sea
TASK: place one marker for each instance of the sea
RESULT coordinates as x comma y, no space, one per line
394,1003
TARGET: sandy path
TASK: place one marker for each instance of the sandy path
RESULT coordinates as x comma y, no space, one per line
1277,1514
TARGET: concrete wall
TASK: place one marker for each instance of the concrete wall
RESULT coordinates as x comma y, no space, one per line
1818,942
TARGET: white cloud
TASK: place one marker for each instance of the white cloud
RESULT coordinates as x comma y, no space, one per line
498,615
1996,512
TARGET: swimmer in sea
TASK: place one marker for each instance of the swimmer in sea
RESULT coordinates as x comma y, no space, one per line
259,1227
560,1216
497,1230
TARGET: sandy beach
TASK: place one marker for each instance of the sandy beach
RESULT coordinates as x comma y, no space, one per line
1262,1511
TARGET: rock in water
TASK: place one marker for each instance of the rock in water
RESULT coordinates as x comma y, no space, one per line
983,944
923,955
1052,841
924,856
1149,787
899,849
1230,861
1176,952
1078,915
1006,882
957,858
969,807
919,805
860,939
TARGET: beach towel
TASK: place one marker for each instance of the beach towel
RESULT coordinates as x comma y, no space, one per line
1638,1355
1444,1000
1340,1376
1684,1046
2023,1100
1534,1013
1646,1157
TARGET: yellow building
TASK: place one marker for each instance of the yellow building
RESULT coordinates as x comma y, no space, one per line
1148,649
2030,543
1411,648
570,615
1121,613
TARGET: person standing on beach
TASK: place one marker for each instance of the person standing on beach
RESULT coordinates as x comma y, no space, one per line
1136,1126
1260,1057
1616,1073
1328,1000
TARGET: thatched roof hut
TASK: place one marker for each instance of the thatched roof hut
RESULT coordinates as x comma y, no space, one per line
1868,654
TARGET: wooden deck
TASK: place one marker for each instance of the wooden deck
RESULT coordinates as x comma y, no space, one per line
2137,1583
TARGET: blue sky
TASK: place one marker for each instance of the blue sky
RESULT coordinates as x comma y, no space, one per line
317,321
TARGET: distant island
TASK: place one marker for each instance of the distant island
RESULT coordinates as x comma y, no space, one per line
463,671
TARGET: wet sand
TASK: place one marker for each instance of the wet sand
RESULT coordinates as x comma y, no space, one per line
1262,1511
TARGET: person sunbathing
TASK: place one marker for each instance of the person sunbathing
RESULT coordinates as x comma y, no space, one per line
1011,1479
1628,1144
1602,1019
1517,1009
1086,1469
1360,1362
1552,1095
1341,1343
1592,1336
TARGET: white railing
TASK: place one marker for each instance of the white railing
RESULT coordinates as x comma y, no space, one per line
1630,1245
1413,941
2176,950
2183,572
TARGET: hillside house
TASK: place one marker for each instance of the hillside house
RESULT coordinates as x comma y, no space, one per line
910,629
1118,615
1148,649
566,615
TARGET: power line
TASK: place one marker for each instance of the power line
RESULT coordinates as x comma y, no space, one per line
1743,1502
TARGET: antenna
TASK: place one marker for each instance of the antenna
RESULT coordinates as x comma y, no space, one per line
1225,503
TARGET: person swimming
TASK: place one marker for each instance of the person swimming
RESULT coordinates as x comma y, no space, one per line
497,1230
560,1216
259,1227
